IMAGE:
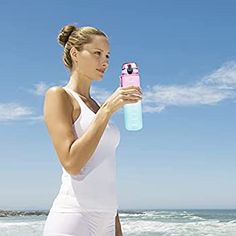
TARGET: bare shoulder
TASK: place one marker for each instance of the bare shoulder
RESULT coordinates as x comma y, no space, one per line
55,91
58,111
56,102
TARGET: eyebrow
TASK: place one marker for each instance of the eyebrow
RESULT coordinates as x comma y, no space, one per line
101,50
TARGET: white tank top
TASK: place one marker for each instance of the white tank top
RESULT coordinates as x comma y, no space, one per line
94,188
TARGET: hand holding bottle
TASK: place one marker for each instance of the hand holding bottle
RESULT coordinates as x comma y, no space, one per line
123,96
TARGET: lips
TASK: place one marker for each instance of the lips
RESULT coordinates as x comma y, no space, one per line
102,71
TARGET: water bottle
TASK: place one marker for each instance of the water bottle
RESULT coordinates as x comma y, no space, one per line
132,112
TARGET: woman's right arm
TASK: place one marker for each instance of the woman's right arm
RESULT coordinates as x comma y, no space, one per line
73,151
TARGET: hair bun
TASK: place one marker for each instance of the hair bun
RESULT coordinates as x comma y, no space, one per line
65,33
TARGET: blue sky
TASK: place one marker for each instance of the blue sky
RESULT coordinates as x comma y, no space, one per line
185,155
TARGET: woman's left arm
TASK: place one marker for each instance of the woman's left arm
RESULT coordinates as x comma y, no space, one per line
118,226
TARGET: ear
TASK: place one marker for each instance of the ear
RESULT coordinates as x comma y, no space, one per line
74,54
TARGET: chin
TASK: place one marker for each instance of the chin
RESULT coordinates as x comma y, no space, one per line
100,77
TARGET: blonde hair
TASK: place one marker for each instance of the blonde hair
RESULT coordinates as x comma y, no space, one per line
72,36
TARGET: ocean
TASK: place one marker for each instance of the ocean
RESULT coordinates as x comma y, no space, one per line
136,222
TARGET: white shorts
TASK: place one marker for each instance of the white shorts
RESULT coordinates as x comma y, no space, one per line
80,224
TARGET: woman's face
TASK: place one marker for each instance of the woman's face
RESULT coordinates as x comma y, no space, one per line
93,57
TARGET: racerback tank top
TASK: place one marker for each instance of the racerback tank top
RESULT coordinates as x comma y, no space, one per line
94,188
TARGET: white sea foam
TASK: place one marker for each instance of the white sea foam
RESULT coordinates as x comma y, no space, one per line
146,223
21,227
211,227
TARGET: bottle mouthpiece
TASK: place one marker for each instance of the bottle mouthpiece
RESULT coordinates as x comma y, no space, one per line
129,69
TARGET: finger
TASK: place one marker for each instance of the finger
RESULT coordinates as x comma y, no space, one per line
131,90
132,96
133,101
135,88
135,91
131,87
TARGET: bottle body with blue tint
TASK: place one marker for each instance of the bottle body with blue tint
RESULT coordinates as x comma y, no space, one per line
132,112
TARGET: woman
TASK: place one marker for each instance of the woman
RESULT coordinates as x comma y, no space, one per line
84,139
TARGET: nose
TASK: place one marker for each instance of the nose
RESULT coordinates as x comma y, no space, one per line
105,64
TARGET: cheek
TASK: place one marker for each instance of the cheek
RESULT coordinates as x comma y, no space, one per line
87,63
90,59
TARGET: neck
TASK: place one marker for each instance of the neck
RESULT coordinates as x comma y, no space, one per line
80,84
